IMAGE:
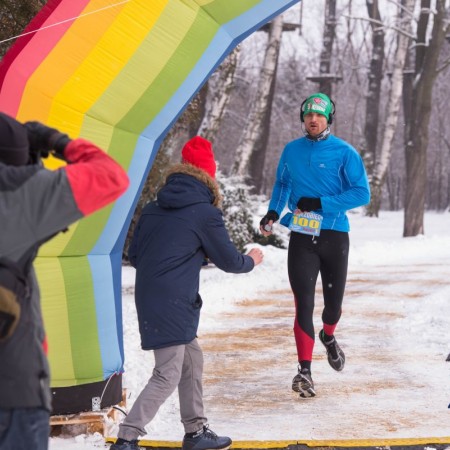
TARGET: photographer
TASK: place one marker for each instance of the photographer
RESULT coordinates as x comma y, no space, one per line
35,205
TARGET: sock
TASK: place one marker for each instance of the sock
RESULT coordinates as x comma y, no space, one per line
305,365
329,329
195,434
327,338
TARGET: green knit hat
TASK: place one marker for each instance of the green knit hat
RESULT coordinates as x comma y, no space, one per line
318,103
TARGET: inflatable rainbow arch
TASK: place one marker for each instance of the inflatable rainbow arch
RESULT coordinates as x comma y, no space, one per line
118,73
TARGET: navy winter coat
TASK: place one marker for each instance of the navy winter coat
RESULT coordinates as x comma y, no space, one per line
172,238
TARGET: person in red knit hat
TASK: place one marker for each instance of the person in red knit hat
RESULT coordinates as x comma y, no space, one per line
173,237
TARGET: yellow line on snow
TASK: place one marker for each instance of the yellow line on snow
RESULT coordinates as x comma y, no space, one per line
309,443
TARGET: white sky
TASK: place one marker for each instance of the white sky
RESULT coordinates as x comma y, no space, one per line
394,330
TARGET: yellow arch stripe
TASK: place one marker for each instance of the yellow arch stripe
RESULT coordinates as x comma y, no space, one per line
108,58
162,42
66,56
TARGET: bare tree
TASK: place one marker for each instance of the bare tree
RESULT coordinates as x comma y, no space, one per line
417,95
249,160
186,126
393,107
220,86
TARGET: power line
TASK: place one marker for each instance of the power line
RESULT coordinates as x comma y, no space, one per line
66,20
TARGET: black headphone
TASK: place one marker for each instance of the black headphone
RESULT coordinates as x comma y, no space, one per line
330,116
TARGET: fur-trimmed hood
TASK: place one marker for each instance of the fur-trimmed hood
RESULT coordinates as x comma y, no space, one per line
186,185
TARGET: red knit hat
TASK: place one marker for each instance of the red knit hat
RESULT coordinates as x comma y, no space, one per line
198,152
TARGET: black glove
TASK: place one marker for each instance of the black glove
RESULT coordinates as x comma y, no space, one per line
306,204
271,215
44,140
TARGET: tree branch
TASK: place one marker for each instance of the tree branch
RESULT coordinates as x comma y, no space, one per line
443,66
378,22
406,10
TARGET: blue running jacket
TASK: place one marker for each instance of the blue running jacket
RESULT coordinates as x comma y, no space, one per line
331,170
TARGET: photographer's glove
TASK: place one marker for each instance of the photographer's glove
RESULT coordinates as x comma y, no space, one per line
307,204
271,215
44,140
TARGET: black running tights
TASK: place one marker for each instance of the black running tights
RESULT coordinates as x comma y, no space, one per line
308,256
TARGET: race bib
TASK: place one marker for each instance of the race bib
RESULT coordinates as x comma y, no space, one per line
306,223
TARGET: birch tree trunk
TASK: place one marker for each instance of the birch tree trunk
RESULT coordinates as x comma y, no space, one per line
220,86
394,100
250,154
418,114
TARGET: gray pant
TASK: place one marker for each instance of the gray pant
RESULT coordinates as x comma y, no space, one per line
182,366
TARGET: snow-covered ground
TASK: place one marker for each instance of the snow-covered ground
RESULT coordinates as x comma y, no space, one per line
395,330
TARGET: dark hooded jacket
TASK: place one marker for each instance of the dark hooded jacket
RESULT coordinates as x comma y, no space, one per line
35,204
173,237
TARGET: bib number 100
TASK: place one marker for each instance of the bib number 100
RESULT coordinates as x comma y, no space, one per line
306,223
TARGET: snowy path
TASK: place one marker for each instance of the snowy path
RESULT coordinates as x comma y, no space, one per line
396,383
394,330
382,393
